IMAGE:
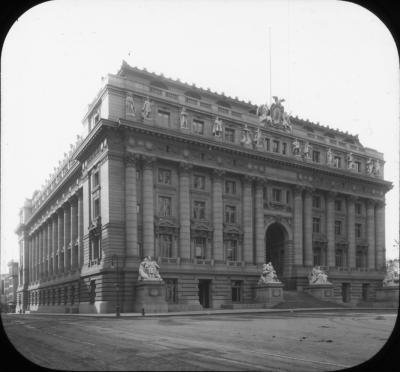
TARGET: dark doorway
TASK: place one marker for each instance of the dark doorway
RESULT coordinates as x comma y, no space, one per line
275,247
346,292
365,291
204,292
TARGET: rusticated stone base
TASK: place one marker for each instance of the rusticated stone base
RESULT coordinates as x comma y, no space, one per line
323,292
269,294
150,297
389,295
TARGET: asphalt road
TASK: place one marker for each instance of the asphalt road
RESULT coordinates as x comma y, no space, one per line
319,341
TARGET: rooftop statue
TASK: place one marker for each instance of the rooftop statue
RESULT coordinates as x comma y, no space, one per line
263,113
307,150
268,274
257,137
286,122
148,270
370,166
129,106
392,274
217,127
350,161
183,119
377,168
277,110
296,147
246,137
146,109
329,157
318,276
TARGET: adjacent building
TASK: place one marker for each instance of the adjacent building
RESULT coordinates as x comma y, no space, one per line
9,285
209,185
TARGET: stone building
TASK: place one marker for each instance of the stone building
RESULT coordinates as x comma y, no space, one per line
209,185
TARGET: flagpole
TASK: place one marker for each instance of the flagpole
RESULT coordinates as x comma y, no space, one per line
270,67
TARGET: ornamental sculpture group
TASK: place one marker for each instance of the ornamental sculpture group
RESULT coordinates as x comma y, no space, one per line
318,276
149,270
268,275
392,274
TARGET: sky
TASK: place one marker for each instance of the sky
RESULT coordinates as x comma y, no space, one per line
334,63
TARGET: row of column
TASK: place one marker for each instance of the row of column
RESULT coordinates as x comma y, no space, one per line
55,246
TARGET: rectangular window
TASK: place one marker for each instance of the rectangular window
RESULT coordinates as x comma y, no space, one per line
267,144
338,205
236,286
164,206
230,214
358,230
231,250
358,209
171,290
287,197
284,148
339,258
96,208
337,162
229,135
96,180
199,182
95,251
338,227
361,257
317,256
316,156
316,225
164,176
316,202
276,195
357,166
230,187
163,117
200,248
165,245
198,126
275,146
199,210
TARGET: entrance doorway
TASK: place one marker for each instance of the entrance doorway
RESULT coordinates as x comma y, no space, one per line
204,292
346,292
275,247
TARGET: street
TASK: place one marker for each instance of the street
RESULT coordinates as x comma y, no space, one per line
290,341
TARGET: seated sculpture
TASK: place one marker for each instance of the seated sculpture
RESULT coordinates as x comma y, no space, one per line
148,270
318,276
392,274
268,274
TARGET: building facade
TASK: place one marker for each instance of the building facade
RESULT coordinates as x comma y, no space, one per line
210,186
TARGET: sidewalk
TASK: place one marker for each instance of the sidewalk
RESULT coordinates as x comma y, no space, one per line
217,312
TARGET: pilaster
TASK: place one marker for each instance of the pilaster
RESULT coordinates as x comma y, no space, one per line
371,233
351,236
330,228
308,248
298,225
380,235
131,205
148,206
248,229
217,210
184,210
259,222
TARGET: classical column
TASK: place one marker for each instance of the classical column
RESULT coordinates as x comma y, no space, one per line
49,246
55,243
298,225
148,206
67,235
184,210
131,206
61,248
351,232
259,222
380,235
308,249
80,229
248,246
330,228
40,253
44,250
217,210
30,259
74,231
371,233
36,256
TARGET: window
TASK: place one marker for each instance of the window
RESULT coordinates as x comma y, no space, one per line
276,195
230,187
357,166
316,225
92,291
199,182
287,197
198,126
267,144
338,205
231,250
96,180
361,257
358,209
236,286
96,208
229,135
358,230
171,290
338,227
339,257
317,255
164,206
275,146
230,214
284,148
199,210
164,176
316,156
316,202
337,161
163,117
95,249
199,248
165,245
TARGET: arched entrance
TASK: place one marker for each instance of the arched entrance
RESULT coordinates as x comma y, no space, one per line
275,238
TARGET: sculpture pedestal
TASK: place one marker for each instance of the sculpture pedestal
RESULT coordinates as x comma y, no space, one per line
321,291
150,296
269,294
389,294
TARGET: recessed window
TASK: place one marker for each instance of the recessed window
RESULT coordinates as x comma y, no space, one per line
199,248
199,210
358,209
267,144
236,286
317,256
340,257
163,117
171,290
198,126
230,214
164,176
231,250
96,179
357,166
361,257
96,207
164,206
358,230
338,205
275,146
338,227
276,195
165,245
316,202
316,225
337,162
284,148
229,135
316,156
230,187
199,182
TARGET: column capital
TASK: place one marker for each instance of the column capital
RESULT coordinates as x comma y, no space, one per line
131,159
309,190
185,167
331,194
371,203
73,199
261,181
351,198
298,190
218,173
148,161
380,203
